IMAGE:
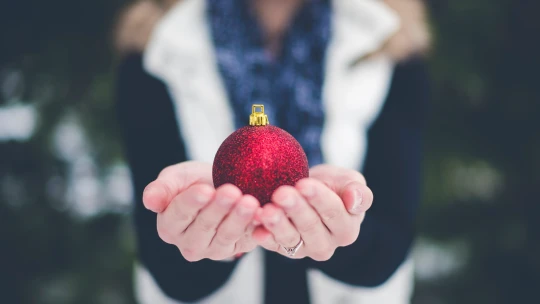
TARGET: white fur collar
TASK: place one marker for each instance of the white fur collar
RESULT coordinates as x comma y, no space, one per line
138,20
181,53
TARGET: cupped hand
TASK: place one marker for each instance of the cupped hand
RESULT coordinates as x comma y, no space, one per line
325,211
201,221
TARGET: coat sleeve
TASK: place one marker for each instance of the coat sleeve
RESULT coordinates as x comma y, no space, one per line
393,172
151,139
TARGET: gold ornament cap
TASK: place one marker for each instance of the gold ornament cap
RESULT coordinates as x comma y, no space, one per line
258,118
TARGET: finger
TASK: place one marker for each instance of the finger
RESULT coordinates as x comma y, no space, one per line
336,178
328,205
205,225
246,243
302,215
275,220
235,224
244,246
350,185
265,239
256,220
182,211
172,181
357,198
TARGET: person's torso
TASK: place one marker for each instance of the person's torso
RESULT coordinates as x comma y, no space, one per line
212,58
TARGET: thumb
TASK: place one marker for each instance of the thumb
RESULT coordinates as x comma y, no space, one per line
172,181
357,198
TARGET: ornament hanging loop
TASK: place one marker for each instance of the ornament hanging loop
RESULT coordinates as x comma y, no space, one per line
258,118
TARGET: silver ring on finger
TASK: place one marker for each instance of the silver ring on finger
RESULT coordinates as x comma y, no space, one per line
291,251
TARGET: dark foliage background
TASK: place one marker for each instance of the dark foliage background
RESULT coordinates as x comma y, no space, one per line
65,231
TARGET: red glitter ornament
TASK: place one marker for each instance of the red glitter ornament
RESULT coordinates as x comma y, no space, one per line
259,158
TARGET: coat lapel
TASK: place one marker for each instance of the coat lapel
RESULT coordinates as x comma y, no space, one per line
354,90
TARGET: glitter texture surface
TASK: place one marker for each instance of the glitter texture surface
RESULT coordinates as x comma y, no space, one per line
259,159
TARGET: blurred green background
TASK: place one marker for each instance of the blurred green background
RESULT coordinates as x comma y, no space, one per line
65,195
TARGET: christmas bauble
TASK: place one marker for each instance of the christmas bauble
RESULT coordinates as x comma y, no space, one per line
259,158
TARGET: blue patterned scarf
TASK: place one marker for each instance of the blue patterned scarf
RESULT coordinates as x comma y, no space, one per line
289,86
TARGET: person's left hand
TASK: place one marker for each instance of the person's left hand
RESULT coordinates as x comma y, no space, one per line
325,211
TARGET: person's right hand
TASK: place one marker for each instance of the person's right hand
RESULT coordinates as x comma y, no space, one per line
201,221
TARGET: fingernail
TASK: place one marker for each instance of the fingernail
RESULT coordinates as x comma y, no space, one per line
146,191
357,201
288,202
273,220
308,191
150,192
202,198
226,201
244,211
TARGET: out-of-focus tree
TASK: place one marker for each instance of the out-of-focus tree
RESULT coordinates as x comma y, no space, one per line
56,56
483,153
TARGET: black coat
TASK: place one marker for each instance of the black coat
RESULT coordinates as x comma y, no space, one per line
392,168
